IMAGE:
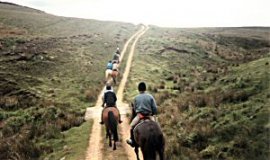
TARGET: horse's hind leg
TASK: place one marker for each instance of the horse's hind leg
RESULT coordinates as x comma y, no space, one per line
114,145
114,80
137,152
107,133
110,139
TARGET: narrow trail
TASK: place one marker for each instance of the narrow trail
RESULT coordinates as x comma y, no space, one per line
124,127
94,150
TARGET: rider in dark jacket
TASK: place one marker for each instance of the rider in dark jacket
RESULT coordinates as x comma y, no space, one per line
109,98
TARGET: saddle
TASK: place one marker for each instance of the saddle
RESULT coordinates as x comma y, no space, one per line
141,122
143,118
108,106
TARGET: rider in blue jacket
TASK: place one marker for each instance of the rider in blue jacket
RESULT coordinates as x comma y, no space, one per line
145,106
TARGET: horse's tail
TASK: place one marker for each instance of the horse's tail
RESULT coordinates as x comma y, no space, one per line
155,145
161,147
113,125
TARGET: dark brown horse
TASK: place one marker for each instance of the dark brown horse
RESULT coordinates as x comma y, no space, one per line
111,119
148,136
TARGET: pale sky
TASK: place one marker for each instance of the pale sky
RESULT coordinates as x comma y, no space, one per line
165,13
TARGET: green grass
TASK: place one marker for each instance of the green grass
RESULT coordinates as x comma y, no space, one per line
211,85
211,106
52,69
74,144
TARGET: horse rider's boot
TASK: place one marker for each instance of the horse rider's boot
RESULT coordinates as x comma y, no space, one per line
120,121
131,140
101,122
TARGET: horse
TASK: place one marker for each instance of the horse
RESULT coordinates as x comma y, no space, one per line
114,75
111,117
108,76
115,71
149,137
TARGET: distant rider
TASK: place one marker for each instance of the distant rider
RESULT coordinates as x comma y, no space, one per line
116,55
109,65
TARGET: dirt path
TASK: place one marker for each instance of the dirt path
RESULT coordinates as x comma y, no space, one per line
94,151
124,127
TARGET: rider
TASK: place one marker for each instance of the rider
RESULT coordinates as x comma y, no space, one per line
117,50
145,106
114,71
115,66
116,56
109,98
109,65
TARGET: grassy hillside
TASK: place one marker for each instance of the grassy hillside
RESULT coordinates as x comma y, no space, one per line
212,89
51,69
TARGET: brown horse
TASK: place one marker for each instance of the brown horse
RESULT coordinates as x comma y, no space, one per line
114,75
111,119
148,136
108,76
115,71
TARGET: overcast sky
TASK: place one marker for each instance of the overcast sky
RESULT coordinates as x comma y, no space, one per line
167,13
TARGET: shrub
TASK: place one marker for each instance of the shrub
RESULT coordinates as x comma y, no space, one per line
161,97
198,100
182,105
52,131
176,87
170,78
162,85
235,96
90,95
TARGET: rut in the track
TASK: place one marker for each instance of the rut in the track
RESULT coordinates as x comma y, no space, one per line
94,151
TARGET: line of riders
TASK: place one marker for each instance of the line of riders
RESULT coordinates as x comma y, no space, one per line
144,103
112,68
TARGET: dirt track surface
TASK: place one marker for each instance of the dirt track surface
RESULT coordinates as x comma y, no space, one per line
95,150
